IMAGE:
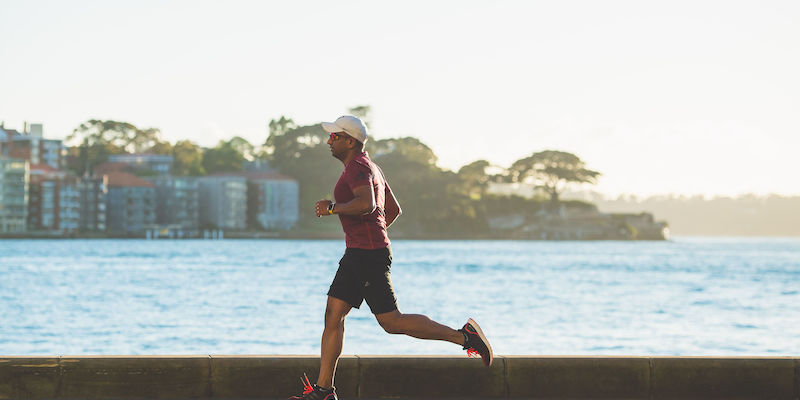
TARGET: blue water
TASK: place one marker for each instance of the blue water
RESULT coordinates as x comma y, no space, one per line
689,296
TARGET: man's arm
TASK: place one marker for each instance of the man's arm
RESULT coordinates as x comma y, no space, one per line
362,203
393,209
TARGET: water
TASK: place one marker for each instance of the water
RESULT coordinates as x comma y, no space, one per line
690,296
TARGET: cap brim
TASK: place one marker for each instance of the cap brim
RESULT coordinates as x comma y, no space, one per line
330,127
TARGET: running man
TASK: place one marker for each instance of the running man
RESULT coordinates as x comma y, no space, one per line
366,206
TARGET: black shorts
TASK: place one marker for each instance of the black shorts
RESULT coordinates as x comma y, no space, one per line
365,275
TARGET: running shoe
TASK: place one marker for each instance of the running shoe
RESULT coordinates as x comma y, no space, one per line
476,343
314,392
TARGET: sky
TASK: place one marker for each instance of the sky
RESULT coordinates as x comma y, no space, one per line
683,97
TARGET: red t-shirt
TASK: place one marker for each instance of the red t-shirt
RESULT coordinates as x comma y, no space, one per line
366,231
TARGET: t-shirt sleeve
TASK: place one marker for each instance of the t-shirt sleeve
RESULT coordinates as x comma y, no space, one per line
359,176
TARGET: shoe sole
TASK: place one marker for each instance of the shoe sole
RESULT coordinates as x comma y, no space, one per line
483,337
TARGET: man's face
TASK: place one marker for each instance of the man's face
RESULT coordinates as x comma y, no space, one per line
339,142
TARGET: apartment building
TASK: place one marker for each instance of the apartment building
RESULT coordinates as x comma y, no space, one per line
223,202
272,201
53,200
130,204
14,179
156,163
32,146
177,202
93,193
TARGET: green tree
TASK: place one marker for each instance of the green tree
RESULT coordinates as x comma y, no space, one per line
362,112
142,140
98,139
408,149
302,153
188,159
280,126
433,200
552,171
162,148
475,178
243,147
277,127
108,132
225,157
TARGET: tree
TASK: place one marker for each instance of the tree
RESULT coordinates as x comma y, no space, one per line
362,112
475,178
98,139
408,149
225,157
109,132
142,140
432,198
552,171
243,147
120,135
302,152
280,126
188,159
162,148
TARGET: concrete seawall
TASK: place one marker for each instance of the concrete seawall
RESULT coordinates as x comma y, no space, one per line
411,377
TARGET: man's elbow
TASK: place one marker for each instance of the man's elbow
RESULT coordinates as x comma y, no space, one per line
369,208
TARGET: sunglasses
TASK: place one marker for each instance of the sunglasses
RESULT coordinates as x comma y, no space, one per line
339,135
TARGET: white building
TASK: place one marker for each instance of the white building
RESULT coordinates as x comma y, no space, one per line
272,200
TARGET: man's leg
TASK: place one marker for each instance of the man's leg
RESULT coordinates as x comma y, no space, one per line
332,340
418,326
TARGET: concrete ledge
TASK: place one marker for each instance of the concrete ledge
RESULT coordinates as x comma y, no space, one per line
432,377
410,377
133,377
253,377
578,377
29,377
729,378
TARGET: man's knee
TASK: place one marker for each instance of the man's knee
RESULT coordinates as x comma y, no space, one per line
335,311
334,320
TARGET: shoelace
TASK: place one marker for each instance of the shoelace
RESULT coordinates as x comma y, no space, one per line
307,388
471,352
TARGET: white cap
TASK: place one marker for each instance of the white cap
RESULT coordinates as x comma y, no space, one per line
348,124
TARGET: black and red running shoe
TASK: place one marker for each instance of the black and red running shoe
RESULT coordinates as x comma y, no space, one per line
476,343
314,392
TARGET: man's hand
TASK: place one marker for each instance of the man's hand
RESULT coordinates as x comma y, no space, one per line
322,207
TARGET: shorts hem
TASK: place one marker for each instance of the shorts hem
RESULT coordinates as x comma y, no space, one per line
383,312
344,300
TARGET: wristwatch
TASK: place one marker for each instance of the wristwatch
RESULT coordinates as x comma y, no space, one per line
330,208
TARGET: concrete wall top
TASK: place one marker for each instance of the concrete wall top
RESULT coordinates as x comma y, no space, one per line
412,377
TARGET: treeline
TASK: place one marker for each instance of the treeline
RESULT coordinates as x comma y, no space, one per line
435,201
746,215
96,140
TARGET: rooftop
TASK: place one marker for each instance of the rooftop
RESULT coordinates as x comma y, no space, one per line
124,179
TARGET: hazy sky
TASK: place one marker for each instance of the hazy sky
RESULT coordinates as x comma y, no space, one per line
691,97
